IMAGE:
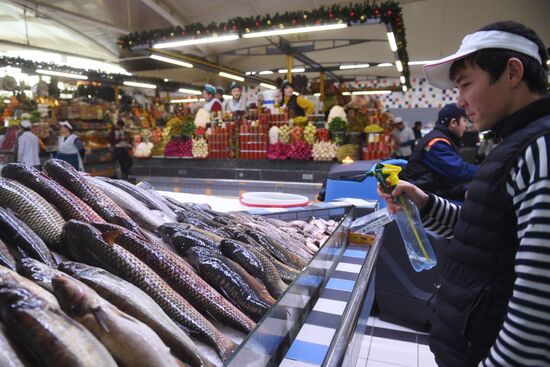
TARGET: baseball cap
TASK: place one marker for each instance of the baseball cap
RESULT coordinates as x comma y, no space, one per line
234,85
210,88
437,72
26,124
66,124
449,112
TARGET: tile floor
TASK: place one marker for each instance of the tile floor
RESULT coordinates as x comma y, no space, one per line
390,345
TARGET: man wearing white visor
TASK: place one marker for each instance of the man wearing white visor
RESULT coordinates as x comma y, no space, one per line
492,304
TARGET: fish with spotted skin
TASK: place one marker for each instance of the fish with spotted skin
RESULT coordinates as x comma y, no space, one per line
34,210
68,204
132,300
66,175
87,244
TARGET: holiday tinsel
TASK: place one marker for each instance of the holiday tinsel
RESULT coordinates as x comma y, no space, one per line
388,12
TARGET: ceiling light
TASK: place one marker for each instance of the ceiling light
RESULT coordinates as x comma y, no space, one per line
266,72
166,80
366,92
404,88
268,86
399,65
279,32
391,39
418,62
171,61
227,96
140,85
231,76
294,70
317,94
402,79
354,66
197,41
184,100
64,75
189,91
384,64
346,93
250,73
296,93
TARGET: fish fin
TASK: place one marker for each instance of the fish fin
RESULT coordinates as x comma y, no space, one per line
110,236
98,315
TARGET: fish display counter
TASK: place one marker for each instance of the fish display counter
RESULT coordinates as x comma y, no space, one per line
111,273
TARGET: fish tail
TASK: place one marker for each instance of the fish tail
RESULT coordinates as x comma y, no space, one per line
225,347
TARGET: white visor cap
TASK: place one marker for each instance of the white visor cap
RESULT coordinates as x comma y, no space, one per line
437,72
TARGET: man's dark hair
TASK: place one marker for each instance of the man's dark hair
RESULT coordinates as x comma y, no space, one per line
418,123
494,60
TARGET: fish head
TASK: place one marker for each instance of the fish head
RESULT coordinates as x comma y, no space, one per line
78,269
58,168
34,269
167,230
196,255
73,296
13,295
14,170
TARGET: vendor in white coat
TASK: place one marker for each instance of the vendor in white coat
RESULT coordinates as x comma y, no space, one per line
237,103
70,147
28,145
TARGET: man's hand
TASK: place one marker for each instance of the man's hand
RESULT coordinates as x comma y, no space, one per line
419,197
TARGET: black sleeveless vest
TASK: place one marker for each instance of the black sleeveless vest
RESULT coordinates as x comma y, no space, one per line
293,105
477,279
423,177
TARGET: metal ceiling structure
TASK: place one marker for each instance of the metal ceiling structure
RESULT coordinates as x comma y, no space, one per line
90,28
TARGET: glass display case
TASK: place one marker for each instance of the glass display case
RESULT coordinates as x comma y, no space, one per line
280,335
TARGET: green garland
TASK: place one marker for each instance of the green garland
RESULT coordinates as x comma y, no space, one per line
388,12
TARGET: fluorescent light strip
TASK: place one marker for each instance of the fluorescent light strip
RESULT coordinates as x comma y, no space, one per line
404,88
368,92
250,73
197,41
189,91
384,64
399,65
402,79
279,32
268,86
354,66
171,61
294,70
391,39
265,72
317,94
346,93
231,76
227,96
61,74
296,93
186,100
140,85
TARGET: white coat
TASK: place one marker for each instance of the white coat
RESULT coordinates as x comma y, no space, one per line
28,149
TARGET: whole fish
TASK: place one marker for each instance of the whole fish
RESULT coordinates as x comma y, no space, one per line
132,300
38,272
6,258
34,210
68,204
201,223
142,215
183,279
232,281
66,175
153,202
47,335
281,253
287,273
182,238
130,342
255,263
8,354
10,276
23,239
87,244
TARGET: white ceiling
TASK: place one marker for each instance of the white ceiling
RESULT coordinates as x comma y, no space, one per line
90,28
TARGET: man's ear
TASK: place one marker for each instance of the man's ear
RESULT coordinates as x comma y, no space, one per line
514,71
453,120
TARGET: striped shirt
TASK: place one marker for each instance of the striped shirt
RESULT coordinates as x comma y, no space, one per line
524,338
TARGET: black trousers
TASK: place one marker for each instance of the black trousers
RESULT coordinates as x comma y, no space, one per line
122,155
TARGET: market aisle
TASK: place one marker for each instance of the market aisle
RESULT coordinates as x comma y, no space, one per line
390,345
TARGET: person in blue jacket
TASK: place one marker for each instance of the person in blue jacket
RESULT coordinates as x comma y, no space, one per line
435,164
